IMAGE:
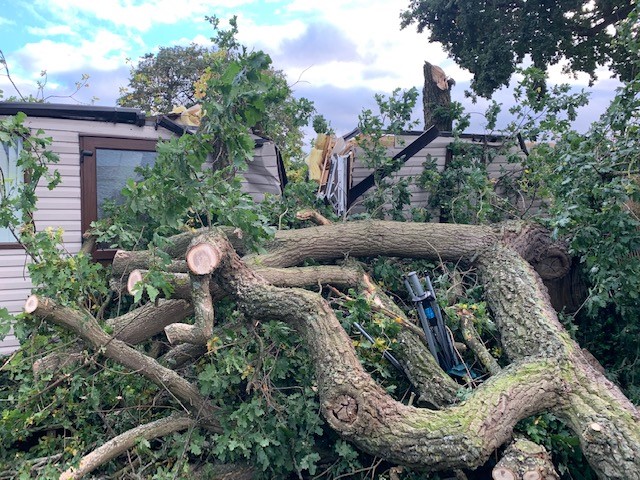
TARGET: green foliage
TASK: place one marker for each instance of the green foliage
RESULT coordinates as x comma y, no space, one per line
321,125
554,435
74,280
232,84
384,331
180,191
491,41
281,211
464,192
595,195
393,117
262,381
161,81
18,198
55,419
284,120
257,373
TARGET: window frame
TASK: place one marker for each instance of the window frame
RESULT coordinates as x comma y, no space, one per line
89,144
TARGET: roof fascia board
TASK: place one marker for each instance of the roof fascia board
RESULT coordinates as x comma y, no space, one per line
132,116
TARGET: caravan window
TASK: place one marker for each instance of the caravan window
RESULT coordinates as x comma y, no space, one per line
106,165
11,177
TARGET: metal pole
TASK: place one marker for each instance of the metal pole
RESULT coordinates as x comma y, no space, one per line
445,341
386,354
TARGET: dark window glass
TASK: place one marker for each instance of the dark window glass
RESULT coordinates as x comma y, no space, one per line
114,168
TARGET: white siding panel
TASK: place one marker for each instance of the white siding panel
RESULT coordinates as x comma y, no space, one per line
50,216
64,136
8,345
61,191
436,150
262,175
69,159
98,129
67,149
67,181
65,171
14,290
13,271
17,259
14,306
9,252
59,204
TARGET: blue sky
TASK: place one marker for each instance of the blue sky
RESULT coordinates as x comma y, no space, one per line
337,53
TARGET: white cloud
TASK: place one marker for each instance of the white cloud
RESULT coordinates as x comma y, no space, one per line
268,37
6,21
105,51
51,31
388,57
137,15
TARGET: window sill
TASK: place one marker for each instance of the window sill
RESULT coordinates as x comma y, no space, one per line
11,246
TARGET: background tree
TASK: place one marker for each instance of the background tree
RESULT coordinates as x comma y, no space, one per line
491,39
174,76
162,80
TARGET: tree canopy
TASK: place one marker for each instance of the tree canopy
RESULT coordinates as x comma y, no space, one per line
491,39
178,75
162,80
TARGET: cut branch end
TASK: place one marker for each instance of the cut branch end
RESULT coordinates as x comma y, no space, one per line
203,258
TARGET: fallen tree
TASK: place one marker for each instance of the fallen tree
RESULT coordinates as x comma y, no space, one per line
548,372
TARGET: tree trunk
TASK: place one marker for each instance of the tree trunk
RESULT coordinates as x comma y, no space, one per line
436,98
548,370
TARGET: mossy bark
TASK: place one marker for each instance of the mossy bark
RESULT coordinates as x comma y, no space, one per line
548,373
548,370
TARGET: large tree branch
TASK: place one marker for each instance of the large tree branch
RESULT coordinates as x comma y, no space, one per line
548,373
123,442
87,328
362,239
133,327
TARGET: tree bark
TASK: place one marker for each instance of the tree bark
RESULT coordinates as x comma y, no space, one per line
473,340
525,460
143,323
133,328
548,370
369,238
125,262
123,442
436,98
88,330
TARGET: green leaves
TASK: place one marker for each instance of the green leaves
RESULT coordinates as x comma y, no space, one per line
394,116
6,320
160,81
491,41
261,380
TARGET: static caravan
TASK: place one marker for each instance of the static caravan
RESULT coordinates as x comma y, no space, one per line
337,165
99,148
